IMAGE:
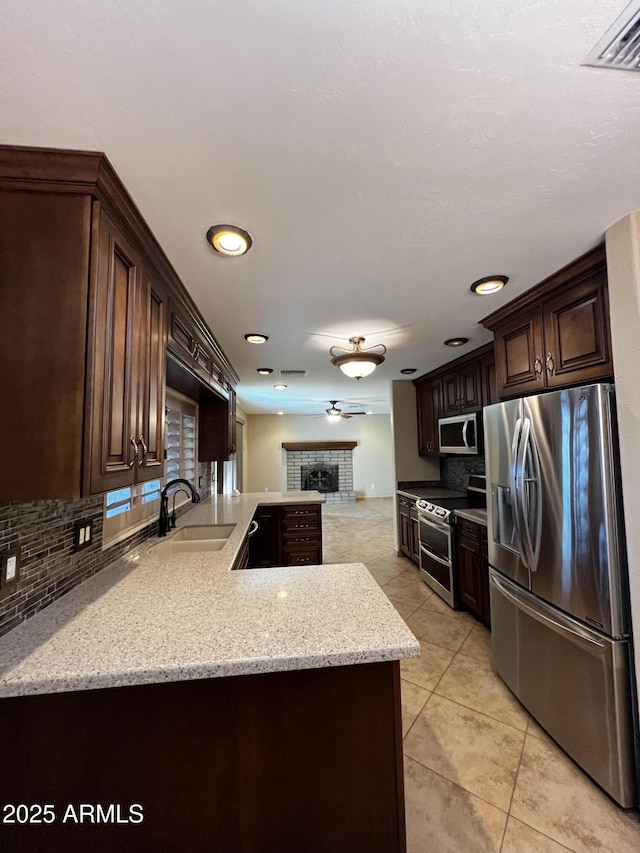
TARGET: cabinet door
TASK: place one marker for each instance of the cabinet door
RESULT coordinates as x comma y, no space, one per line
488,380
115,361
470,387
520,356
468,581
182,340
451,396
576,334
153,346
415,538
429,409
404,529
264,545
231,423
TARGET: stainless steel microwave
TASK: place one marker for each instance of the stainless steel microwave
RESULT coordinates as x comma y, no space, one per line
459,434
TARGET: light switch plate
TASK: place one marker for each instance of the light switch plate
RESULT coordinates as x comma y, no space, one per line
83,534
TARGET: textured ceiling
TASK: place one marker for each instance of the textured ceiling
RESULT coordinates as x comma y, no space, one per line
383,154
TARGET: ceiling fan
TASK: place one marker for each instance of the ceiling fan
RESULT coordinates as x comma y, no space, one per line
334,414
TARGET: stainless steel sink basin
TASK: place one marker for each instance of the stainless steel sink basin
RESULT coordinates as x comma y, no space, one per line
195,538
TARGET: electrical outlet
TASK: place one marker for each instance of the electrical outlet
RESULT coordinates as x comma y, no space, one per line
83,534
10,567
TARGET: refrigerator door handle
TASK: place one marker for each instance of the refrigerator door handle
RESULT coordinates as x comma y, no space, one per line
529,459
555,621
516,503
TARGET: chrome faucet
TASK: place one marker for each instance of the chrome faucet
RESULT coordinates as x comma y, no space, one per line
165,523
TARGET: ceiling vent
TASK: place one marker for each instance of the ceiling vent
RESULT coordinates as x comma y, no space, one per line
620,46
292,373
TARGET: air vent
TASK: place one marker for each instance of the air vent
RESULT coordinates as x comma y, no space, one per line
620,46
291,373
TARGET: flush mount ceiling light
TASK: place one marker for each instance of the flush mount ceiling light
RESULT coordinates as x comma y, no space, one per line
489,284
256,338
229,240
357,362
265,371
456,342
280,387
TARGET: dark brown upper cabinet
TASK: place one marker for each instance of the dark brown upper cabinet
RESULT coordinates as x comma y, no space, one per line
83,319
127,350
463,385
556,334
461,389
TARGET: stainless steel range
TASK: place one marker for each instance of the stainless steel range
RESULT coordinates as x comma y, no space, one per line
436,522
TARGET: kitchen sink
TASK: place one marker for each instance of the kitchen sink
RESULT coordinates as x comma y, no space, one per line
195,538
203,531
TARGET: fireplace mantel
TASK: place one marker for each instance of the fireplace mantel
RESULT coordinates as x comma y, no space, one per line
319,445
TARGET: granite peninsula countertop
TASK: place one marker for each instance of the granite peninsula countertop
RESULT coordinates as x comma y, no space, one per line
148,619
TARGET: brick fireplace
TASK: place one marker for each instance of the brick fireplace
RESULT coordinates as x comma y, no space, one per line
323,465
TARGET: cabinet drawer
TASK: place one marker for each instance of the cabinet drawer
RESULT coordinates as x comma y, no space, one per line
303,557
469,530
302,539
305,511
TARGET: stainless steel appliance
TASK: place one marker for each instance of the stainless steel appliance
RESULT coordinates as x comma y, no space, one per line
436,520
560,621
459,434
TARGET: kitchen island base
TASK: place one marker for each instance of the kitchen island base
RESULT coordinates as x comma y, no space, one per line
304,760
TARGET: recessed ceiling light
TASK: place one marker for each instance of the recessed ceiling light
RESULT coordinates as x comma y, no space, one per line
489,284
456,342
408,370
280,413
280,387
229,240
256,338
368,413
265,371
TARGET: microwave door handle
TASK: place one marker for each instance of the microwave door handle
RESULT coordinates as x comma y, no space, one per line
464,433
515,501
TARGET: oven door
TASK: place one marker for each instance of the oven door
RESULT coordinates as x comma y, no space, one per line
436,557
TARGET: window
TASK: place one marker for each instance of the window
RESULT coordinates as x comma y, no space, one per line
129,509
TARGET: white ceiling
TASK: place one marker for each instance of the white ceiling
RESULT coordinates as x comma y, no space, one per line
383,154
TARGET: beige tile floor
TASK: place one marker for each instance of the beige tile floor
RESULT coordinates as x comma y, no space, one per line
480,775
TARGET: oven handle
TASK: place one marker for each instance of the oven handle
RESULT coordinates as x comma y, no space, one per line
434,557
432,522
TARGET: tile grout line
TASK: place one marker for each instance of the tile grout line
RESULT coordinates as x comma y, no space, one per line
458,785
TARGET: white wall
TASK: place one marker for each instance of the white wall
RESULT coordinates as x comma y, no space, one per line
372,458
243,416
404,425
623,270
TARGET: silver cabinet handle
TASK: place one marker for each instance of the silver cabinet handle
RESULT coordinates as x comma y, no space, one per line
537,367
145,450
133,441
550,364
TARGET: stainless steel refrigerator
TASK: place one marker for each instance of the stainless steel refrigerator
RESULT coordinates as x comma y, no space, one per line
560,620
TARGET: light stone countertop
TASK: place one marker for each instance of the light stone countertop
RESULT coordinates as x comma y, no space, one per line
147,619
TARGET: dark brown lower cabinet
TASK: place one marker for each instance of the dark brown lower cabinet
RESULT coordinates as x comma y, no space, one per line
408,538
308,760
288,535
473,569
